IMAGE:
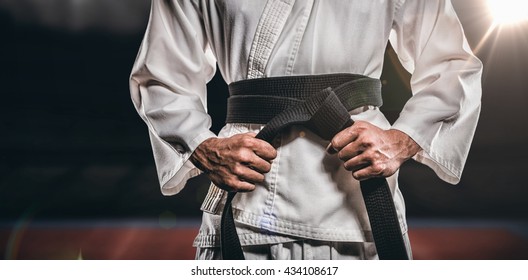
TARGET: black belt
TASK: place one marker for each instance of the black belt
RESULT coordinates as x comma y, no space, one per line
320,103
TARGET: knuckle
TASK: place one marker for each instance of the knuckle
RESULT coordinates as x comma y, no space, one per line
344,154
247,141
377,168
335,143
273,152
363,124
230,182
244,156
359,125
366,142
237,170
370,157
367,156
341,155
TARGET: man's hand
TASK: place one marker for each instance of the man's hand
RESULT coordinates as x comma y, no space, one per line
235,163
369,151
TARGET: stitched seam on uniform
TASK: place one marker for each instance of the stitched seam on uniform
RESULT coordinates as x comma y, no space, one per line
298,37
268,30
270,201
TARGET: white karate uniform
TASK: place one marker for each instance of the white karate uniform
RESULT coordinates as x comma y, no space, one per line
307,195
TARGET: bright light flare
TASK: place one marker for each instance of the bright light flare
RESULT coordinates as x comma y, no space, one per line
507,12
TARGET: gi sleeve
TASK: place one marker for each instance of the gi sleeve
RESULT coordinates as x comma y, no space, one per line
442,114
168,88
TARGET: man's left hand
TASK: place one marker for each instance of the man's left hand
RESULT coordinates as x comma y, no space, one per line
369,151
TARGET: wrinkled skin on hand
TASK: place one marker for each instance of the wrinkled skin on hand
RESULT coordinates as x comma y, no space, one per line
234,163
369,151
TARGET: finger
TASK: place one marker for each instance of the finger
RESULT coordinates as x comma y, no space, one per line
264,150
357,163
330,149
260,165
260,147
248,158
234,184
370,171
244,173
351,150
342,138
251,134
242,186
231,183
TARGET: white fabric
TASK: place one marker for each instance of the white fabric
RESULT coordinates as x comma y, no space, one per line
304,250
310,195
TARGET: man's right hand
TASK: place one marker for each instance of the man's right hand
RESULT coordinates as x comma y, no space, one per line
235,163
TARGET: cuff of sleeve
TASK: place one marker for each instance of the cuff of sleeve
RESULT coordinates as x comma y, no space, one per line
174,181
442,168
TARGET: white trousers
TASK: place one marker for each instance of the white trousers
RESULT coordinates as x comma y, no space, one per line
304,250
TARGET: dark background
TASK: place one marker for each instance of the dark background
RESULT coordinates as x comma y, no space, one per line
73,148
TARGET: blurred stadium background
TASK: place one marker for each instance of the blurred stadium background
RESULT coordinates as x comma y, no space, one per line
77,177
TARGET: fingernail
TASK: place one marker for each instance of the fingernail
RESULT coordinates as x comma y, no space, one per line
330,149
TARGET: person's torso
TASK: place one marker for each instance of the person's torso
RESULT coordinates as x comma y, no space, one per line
307,193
